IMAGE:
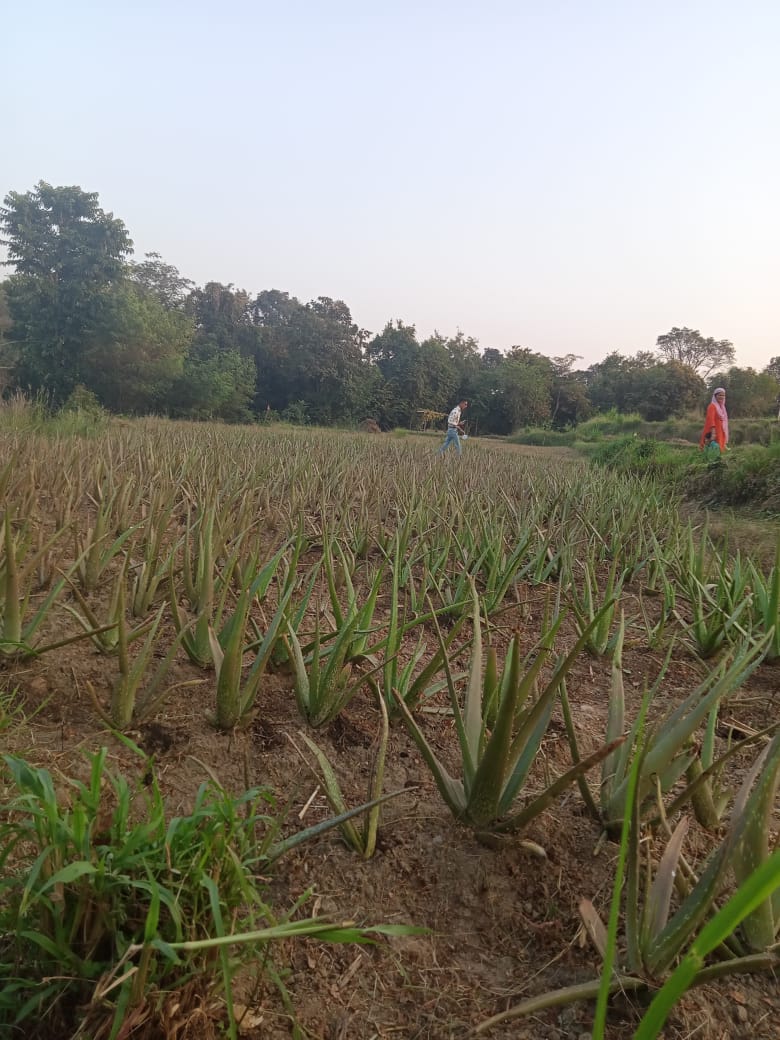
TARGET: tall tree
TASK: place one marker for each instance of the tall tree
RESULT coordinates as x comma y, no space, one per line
396,353
524,389
689,347
6,356
219,379
68,253
569,394
311,356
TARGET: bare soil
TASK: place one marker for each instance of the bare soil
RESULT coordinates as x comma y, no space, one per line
502,923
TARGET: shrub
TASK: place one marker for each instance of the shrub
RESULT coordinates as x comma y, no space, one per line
610,424
539,437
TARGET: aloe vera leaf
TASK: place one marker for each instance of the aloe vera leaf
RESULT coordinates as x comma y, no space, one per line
472,717
752,893
485,791
673,731
333,790
450,788
616,709
585,791
663,884
228,712
12,622
698,903
759,927
548,796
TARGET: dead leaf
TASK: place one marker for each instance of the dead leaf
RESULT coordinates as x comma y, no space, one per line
593,925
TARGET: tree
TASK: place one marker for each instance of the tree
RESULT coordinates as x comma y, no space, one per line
749,394
311,355
396,353
442,383
67,253
161,280
6,356
667,390
524,388
689,347
5,317
132,360
569,395
614,382
220,386
773,368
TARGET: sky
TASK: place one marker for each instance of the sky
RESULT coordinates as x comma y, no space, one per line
570,176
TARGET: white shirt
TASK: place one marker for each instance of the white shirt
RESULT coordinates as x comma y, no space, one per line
454,417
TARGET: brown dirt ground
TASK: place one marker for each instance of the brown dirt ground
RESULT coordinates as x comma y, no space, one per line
502,923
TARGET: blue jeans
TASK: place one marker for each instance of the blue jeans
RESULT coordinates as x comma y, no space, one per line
451,438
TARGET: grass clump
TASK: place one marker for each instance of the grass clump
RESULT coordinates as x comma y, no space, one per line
645,456
746,476
110,912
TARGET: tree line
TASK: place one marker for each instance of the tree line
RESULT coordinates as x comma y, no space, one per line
79,312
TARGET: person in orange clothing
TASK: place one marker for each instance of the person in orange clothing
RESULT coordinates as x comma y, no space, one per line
716,422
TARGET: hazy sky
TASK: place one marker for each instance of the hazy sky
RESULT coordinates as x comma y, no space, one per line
574,176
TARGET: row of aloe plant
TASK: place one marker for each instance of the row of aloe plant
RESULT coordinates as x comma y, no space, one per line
182,522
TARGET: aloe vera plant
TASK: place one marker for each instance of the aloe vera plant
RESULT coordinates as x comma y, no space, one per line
766,603
761,927
95,551
157,560
597,603
361,839
329,676
658,935
236,692
136,693
18,623
668,752
496,762
105,634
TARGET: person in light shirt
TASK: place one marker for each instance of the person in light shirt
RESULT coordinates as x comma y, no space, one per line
454,427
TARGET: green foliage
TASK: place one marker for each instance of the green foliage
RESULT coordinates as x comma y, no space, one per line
544,438
67,253
109,908
216,387
749,393
609,424
88,871
136,352
747,476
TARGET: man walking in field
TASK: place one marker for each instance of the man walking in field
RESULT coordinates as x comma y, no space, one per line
454,427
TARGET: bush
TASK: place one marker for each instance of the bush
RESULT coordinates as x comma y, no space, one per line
296,413
610,424
542,438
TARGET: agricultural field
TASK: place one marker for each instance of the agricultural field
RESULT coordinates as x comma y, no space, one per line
548,684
